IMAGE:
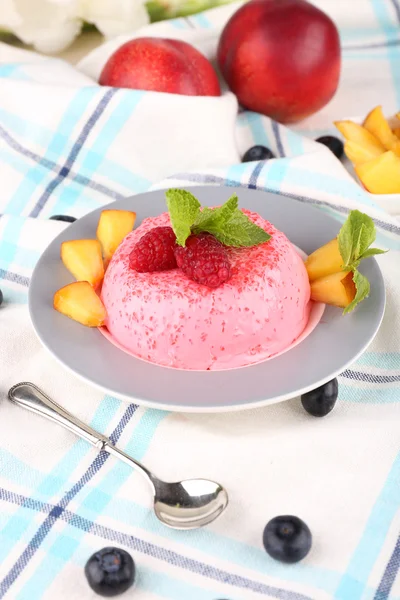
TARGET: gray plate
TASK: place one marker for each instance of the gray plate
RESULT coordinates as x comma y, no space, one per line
329,349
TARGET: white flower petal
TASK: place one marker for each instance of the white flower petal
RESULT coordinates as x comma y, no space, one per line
9,16
116,17
47,24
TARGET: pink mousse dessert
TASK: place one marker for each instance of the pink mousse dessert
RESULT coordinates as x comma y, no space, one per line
168,319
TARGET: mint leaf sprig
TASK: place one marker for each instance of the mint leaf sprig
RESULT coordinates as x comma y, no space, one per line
355,237
227,222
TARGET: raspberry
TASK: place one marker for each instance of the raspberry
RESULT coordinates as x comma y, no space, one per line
204,260
154,251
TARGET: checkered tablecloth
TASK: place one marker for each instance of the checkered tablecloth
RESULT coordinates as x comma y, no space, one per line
68,146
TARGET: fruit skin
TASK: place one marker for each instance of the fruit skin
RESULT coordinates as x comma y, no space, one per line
333,143
376,124
113,227
324,261
79,302
381,175
110,572
269,50
154,251
287,539
161,65
321,401
84,260
65,218
337,289
360,154
204,260
257,153
358,134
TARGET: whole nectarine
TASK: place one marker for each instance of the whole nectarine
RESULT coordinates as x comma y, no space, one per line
161,65
281,58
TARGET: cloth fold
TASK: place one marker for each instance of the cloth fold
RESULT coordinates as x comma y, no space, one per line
68,146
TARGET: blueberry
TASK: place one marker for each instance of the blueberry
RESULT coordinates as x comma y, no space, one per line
320,402
110,572
333,143
1,297
287,539
257,153
65,218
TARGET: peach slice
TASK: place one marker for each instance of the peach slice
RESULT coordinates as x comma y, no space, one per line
382,174
337,289
84,260
113,227
324,261
358,134
376,124
79,302
396,131
359,154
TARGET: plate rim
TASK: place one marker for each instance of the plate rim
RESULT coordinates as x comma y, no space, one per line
171,407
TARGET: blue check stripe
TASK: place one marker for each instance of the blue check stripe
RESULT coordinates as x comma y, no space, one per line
14,278
52,166
390,574
65,170
158,552
59,509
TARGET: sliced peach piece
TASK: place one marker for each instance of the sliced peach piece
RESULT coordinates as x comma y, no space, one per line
113,227
79,302
337,289
382,174
358,134
376,124
324,261
359,154
84,260
396,131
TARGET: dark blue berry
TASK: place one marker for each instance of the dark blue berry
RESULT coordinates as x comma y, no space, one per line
1,297
257,153
320,402
333,143
110,572
287,539
65,218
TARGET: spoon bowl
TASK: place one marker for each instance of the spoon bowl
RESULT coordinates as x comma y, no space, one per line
189,504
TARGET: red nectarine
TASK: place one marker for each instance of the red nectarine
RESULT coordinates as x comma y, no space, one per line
161,65
281,58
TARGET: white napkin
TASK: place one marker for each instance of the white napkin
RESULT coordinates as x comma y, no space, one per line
68,146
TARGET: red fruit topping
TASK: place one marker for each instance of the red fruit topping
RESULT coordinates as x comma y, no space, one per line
154,251
204,260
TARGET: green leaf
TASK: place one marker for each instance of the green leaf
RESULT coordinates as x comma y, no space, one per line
362,287
372,252
230,225
183,209
239,231
216,217
355,236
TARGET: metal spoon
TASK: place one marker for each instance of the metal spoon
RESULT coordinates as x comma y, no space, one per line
183,505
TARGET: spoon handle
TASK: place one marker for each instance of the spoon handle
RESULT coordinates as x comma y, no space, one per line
29,396
32,398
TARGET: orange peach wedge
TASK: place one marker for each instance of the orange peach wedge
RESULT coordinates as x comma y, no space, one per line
378,126
84,260
337,289
359,154
113,227
359,135
324,261
382,174
79,302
